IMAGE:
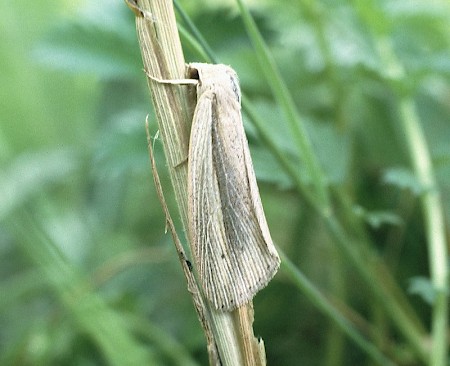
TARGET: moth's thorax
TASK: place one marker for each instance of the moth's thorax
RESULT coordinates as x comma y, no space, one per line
215,78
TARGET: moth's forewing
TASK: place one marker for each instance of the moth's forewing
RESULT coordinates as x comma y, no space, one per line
233,249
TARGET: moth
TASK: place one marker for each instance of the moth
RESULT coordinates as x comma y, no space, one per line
231,243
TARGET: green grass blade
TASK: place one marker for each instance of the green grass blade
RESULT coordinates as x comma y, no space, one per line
325,307
284,99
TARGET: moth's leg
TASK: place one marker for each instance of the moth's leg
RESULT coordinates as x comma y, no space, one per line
173,81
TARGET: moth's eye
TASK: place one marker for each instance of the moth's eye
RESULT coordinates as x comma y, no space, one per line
193,74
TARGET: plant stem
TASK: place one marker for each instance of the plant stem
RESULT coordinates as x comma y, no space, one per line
323,304
232,341
287,104
435,229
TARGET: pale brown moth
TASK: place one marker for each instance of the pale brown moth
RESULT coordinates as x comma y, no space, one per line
231,242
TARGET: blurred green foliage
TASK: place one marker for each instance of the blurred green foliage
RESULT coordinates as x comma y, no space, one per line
88,276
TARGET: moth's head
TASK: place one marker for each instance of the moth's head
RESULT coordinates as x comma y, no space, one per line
215,76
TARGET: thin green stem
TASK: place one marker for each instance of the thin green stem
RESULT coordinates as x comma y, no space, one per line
367,270
324,306
279,155
434,226
284,99
196,33
192,41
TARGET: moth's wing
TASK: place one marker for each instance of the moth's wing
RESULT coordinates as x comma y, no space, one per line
250,256
256,199
232,247
206,229
236,256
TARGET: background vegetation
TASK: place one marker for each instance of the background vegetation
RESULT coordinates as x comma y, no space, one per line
88,275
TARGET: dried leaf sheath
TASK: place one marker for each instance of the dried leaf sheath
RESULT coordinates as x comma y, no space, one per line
232,246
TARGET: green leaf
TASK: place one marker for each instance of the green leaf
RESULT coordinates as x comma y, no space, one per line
29,173
121,146
404,179
422,287
265,167
378,218
94,44
333,149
